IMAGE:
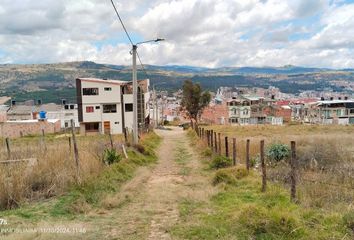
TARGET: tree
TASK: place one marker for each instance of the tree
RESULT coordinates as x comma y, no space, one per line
194,99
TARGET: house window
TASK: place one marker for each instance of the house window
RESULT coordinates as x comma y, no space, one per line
352,111
110,108
72,106
97,107
128,107
91,127
108,89
66,107
90,91
89,109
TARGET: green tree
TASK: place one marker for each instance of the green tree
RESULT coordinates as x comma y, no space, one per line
194,99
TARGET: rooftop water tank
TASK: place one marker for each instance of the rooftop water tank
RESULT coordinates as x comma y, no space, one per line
42,115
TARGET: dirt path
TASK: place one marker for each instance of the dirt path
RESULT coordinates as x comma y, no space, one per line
155,194
147,206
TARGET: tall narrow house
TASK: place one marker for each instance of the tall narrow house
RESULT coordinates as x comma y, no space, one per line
106,106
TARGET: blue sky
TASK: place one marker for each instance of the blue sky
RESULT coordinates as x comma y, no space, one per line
206,33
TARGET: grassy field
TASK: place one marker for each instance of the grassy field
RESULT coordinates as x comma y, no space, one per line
55,172
241,211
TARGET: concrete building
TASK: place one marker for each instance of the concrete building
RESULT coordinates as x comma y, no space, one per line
106,106
239,111
64,112
335,112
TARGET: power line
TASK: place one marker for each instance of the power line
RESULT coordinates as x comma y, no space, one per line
121,21
126,32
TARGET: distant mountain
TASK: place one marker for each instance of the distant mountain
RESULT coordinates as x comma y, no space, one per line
52,82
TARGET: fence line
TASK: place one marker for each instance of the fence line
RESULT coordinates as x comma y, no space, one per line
213,140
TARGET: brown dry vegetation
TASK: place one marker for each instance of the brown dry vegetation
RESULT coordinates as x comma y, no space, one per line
325,155
55,170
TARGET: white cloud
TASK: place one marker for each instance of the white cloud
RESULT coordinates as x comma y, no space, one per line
198,32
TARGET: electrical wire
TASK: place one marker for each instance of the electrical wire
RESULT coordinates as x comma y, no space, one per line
130,40
121,21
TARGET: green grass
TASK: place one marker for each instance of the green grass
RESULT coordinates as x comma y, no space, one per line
182,157
241,211
87,195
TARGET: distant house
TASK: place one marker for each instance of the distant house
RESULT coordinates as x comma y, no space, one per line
106,106
239,111
335,112
64,113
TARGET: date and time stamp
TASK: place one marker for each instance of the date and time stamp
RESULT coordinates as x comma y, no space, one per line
60,229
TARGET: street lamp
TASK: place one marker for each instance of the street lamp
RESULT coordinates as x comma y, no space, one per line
135,89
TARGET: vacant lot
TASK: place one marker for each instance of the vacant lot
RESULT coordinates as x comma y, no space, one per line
325,156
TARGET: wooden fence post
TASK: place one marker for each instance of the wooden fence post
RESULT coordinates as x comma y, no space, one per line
219,143
203,133
208,137
43,140
211,139
125,135
234,151
226,147
69,140
215,143
264,171
7,140
76,151
248,154
111,140
293,173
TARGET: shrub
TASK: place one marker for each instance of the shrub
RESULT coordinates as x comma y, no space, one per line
111,156
140,148
220,162
229,175
278,152
207,152
348,219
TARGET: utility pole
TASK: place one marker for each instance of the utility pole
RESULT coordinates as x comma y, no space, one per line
135,89
135,98
154,107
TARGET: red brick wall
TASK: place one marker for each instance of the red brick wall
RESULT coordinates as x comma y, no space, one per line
14,129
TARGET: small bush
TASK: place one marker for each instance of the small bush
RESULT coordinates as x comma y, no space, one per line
111,156
140,148
278,152
229,175
349,220
207,152
220,162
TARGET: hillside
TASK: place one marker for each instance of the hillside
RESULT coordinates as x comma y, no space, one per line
51,82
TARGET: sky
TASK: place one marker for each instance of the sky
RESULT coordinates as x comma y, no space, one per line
205,33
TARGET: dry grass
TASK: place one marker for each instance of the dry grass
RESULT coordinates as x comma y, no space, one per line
325,155
55,170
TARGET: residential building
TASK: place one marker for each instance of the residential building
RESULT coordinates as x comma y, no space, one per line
106,106
239,111
30,111
335,112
